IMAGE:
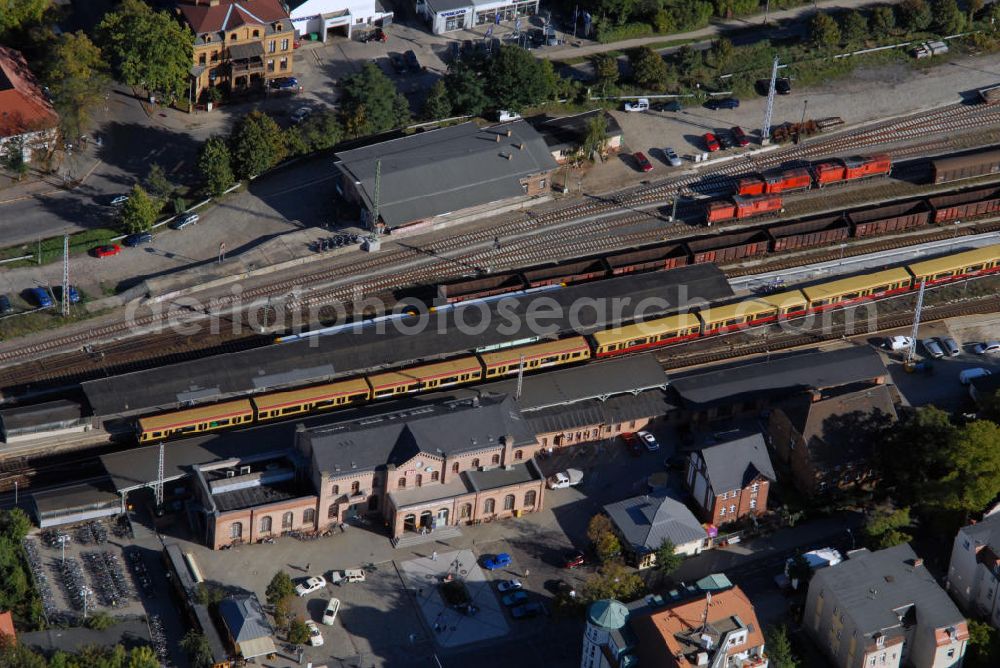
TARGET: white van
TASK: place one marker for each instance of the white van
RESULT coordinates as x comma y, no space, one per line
642,104
968,375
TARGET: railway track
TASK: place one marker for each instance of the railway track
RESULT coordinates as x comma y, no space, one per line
602,217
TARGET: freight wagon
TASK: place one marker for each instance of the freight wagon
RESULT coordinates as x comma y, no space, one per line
570,272
889,218
969,166
965,205
648,259
729,247
809,233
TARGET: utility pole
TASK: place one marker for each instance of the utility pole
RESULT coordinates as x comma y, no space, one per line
520,378
373,243
805,104
916,324
65,285
673,211
158,486
765,133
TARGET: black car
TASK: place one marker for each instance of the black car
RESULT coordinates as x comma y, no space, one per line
5,305
138,239
725,140
411,61
783,86
398,62
722,103
668,106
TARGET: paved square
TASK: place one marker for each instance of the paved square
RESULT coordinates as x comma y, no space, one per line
449,627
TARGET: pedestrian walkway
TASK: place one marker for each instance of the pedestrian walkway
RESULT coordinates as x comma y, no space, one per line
416,538
578,48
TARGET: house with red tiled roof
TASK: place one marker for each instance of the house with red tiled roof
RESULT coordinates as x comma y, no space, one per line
7,625
24,110
240,45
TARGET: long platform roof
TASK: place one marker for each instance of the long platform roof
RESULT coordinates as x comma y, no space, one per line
486,325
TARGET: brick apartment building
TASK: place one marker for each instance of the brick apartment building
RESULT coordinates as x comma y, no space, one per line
730,481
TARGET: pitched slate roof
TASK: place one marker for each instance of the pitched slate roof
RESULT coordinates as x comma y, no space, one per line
229,14
645,521
734,464
436,172
23,107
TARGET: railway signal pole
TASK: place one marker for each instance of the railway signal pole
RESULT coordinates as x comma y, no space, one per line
911,351
765,132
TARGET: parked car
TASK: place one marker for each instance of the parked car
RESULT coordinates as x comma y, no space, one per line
505,116
932,348
951,346
722,103
285,83
300,114
515,598
528,610
186,221
74,295
497,561
969,375
783,86
508,585
41,297
574,560
642,104
739,136
898,342
564,479
411,61
118,200
315,637
632,443
349,575
108,250
398,62
725,141
649,441
986,347
642,161
5,305
137,239
311,584
672,159
711,142
668,106
330,614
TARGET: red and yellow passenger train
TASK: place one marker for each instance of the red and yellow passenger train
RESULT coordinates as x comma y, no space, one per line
477,367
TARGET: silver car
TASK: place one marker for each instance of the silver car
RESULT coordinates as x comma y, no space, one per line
932,348
950,346
186,221
671,157
987,347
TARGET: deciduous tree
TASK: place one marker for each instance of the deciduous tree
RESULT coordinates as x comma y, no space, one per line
216,166
438,104
886,527
779,648
198,651
984,646
648,68
913,15
257,144
21,14
515,79
973,480
76,75
370,102
465,88
298,632
800,572
602,538
157,182
667,559
139,213
605,70
824,31
973,7
947,18
280,587
596,139
854,27
613,580
148,49
13,157
883,21
722,52
143,656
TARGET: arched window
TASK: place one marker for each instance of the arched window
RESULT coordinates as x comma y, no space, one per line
496,459
489,507
336,490
454,467
419,480
508,502
309,516
236,530
286,520
518,455
475,463
529,498
265,524
466,511
402,483
434,476
355,487
331,512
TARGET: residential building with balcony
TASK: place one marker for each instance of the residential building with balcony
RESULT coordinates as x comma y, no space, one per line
730,481
974,571
240,45
884,609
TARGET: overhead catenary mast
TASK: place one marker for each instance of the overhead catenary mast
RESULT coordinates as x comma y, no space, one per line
765,132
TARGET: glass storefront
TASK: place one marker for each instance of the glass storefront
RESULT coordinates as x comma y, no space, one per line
507,13
455,22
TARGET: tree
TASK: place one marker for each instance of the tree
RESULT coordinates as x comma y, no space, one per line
913,15
298,632
667,559
885,528
799,572
370,102
215,164
883,21
854,27
100,621
722,52
158,184
143,656
779,648
984,646
437,105
148,49
648,68
198,651
13,157
14,524
613,580
139,213
465,88
257,144
947,18
16,655
21,14
974,478
605,70
602,536
915,452
279,588
596,139
76,75
515,79
824,32
973,7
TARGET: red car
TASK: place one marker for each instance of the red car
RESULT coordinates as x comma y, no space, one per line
107,251
739,136
632,443
711,142
574,560
643,162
